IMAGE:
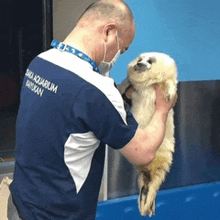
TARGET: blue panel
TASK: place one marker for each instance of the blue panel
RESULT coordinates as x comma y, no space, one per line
199,202
197,150
188,30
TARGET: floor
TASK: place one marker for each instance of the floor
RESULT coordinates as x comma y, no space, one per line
4,194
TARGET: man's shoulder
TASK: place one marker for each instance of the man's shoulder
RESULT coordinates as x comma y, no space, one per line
65,60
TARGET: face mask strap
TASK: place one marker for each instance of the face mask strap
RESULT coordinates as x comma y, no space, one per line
105,52
117,39
105,46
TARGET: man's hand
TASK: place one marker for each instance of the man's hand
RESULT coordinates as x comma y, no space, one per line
127,95
128,92
161,104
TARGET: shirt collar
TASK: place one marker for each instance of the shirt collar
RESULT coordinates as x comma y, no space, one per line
65,47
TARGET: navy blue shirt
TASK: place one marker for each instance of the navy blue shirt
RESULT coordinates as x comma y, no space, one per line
68,114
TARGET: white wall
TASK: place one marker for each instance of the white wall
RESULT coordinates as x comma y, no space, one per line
66,13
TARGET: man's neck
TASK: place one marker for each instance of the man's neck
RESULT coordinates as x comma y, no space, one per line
81,42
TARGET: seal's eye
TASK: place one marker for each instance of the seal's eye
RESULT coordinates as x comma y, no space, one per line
151,60
139,60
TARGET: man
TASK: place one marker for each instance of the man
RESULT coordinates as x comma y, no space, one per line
69,111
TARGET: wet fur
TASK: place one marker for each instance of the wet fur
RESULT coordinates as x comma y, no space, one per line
152,68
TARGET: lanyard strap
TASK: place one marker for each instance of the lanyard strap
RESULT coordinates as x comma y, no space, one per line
64,47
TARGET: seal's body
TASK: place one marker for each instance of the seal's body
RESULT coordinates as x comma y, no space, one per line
143,73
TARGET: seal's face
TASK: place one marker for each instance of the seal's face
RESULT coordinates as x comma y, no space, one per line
150,68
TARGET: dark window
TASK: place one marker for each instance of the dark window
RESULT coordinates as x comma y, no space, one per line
25,31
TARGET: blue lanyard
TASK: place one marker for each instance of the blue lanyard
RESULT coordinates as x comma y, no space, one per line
64,47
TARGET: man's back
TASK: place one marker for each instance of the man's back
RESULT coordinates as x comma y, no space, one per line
51,168
68,113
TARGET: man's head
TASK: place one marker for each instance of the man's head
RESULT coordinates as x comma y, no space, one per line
99,26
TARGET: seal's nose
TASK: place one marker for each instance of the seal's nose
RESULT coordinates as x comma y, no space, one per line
144,64
140,67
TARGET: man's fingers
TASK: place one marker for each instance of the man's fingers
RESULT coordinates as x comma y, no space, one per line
129,92
161,101
175,100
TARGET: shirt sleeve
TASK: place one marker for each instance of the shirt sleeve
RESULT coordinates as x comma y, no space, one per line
103,113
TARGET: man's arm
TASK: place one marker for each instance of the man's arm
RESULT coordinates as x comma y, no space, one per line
142,148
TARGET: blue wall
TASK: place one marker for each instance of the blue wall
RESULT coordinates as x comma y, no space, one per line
188,30
199,202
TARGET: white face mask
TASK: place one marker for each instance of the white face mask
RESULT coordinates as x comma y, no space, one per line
105,67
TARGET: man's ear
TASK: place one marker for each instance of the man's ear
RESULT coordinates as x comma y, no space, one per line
109,32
